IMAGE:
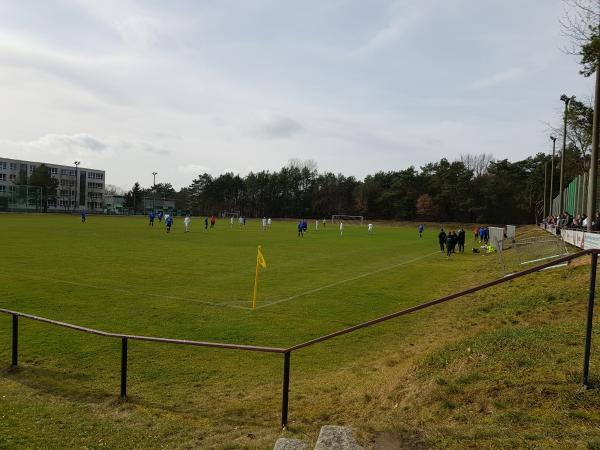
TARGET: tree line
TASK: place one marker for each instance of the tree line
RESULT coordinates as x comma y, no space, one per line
475,188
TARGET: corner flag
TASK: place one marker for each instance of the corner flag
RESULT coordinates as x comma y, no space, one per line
260,259
260,262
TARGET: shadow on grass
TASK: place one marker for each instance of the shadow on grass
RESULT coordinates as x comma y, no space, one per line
68,385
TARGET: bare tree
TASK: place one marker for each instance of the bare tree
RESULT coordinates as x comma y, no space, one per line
111,189
580,24
297,163
477,163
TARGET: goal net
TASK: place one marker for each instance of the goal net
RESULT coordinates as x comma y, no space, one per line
347,219
234,214
22,198
529,252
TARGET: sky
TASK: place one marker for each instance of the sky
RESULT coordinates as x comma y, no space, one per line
191,86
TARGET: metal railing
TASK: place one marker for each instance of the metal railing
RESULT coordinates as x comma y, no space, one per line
288,351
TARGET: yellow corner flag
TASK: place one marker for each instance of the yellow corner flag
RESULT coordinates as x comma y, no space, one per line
260,262
260,259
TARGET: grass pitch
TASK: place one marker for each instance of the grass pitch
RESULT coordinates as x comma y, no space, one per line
119,274
496,370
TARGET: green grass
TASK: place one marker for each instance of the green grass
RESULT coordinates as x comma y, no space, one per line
499,369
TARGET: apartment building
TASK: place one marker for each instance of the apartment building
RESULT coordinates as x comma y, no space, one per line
78,188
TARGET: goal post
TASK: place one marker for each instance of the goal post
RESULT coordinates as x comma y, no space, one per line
532,251
234,214
348,219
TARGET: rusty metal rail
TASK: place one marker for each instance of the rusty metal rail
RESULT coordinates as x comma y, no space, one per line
288,351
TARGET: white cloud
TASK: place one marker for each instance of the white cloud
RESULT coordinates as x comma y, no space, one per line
57,144
193,169
276,126
403,17
139,145
506,76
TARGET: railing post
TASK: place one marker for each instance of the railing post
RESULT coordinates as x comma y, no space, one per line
590,319
286,389
124,367
15,340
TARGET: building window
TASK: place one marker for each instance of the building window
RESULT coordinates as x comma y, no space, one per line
13,166
12,177
2,177
2,188
53,170
31,167
3,165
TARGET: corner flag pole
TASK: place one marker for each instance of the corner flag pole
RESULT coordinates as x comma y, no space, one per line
255,285
260,262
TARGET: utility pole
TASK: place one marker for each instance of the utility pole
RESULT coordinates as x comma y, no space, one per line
565,99
545,186
552,176
154,190
593,182
76,181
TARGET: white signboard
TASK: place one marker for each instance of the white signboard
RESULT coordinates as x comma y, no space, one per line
511,231
496,236
568,236
591,240
579,238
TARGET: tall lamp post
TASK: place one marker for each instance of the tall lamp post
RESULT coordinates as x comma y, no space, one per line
545,188
553,139
593,180
76,181
565,99
154,190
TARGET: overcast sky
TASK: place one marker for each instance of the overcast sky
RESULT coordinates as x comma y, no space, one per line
183,87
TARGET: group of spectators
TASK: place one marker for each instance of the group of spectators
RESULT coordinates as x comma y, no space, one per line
578,222
448,242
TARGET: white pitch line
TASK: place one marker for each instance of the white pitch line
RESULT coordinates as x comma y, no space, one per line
126,291
540,259
228,304
337,283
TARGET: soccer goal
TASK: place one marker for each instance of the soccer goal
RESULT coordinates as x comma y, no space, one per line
234,214
528,252
347,219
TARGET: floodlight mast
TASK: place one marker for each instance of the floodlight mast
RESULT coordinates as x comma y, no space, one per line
553,138
567,100
76,182
153,191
